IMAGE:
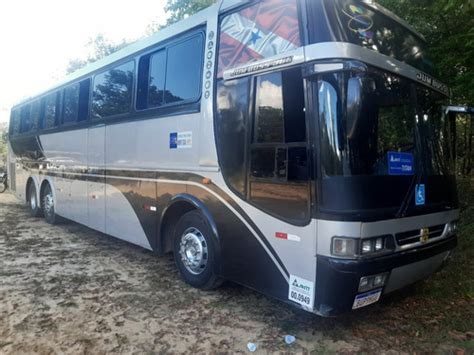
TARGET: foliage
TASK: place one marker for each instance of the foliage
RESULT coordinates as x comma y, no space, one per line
99,47
448,26
3,145
178,10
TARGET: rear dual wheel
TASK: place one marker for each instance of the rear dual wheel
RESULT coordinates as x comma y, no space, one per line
33,203
47,205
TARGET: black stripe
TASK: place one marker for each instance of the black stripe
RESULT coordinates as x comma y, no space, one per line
115,174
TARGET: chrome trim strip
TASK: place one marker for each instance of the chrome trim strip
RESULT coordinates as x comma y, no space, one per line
216,195
279,61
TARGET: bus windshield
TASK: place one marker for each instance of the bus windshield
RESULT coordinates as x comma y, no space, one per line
379,131
358,23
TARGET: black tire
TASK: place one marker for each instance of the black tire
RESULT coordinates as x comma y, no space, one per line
34,206
193,225
47,205
3,186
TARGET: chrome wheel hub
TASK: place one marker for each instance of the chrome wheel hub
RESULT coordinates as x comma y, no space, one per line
48,204
193,251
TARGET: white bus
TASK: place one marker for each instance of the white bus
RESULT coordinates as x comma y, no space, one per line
297,147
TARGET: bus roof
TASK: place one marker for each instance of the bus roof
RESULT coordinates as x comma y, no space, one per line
173,30
132,49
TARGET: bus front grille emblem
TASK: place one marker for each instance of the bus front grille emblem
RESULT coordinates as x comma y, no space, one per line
424,235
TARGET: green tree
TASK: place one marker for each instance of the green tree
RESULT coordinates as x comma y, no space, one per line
99,47
3,145
448,26
178,10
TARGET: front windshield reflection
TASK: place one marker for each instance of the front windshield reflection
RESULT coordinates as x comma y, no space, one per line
393,115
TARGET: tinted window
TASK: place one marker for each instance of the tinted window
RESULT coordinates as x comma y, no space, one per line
50,110
279,170
35,115
83,110
156,86
183,70
231,124
269,124
71,103
280,116
112,92
354,22
15,121
25,119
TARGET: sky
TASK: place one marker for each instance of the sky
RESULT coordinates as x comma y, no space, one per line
39,37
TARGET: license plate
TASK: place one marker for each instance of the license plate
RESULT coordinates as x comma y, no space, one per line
364,299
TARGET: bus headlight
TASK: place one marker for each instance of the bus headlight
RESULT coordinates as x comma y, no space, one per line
376,245
342,246
355,247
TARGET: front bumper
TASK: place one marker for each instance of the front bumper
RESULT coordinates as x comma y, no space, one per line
338,279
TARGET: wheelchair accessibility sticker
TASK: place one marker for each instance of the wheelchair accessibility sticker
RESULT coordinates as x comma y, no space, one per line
420,194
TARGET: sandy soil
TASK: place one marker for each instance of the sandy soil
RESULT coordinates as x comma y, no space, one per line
67,289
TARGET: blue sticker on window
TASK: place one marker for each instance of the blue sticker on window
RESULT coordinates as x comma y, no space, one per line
420,194
173,140
400,163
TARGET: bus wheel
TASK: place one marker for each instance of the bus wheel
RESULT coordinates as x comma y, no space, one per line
194,251
33,203
47,204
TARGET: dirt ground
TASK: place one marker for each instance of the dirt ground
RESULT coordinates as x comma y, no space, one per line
67,289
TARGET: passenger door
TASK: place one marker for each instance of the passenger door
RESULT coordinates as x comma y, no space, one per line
96,177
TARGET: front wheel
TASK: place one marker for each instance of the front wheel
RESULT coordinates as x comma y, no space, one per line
195,251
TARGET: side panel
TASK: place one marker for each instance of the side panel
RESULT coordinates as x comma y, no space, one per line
95,180
77,162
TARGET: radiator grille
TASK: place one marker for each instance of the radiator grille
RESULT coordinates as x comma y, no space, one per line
413,236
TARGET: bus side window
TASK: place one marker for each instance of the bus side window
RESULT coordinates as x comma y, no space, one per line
232,119
112,91
156,87
84,90
51,104
183,70
35,115
172,75
279,171
71,104
25,119
15,122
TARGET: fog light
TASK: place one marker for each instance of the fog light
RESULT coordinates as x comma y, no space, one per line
367,283
366,246
378,244
379,280
364,283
